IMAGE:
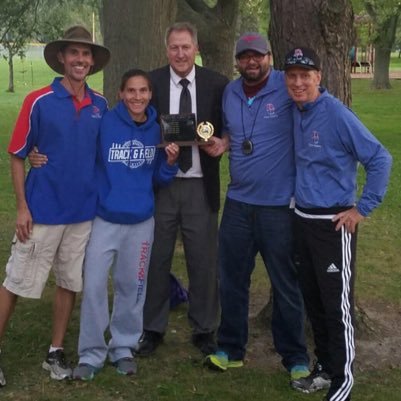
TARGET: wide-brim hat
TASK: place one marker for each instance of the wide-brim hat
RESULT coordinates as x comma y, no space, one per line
76,34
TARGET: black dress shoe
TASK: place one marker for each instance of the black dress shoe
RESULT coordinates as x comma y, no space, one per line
205,342
148,343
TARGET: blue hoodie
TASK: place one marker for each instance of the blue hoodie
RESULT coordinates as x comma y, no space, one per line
129,164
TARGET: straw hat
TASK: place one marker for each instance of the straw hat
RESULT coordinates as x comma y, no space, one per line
76,34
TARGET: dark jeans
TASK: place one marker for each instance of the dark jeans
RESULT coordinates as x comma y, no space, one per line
245,230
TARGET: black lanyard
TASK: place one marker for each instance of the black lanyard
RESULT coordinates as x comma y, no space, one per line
247,145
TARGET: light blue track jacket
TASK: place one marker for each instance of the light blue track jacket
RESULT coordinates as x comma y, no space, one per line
330,140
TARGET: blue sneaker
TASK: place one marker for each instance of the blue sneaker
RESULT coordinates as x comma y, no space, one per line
319,379
219,361
84,372
125,366
299,371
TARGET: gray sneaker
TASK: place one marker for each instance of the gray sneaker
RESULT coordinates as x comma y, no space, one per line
56,364
84,372
317,380
2,379
125,366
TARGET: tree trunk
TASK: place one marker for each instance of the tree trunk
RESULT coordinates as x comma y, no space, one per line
10,72
216,31
381,77
383,44
134,30
327,27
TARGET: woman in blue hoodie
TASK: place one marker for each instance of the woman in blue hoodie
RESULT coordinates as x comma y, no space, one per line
129,165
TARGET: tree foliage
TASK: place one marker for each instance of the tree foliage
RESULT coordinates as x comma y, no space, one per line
254,16
18,19
41,20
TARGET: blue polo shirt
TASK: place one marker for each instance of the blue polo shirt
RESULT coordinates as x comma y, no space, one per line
64,190
266,177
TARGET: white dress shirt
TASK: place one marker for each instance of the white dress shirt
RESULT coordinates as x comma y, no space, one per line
175,92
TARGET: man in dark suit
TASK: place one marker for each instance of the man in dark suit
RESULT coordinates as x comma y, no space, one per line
191,202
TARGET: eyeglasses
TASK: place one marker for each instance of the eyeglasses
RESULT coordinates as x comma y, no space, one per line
246,57
293,60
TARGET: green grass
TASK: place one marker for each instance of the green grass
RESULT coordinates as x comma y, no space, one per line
395,64
176,372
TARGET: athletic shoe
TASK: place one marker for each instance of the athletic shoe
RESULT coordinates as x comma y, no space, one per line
298,372
219,361
125,366
84,372
56,364
2,379
317,380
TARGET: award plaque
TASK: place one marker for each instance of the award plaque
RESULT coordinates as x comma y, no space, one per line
178,128
204,130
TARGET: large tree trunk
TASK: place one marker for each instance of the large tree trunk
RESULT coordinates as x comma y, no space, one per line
134,30
216,31
327,27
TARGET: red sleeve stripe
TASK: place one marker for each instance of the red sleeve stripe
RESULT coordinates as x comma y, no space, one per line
22,127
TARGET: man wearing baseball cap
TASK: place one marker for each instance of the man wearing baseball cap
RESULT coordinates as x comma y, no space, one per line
330,141
55,203
257,216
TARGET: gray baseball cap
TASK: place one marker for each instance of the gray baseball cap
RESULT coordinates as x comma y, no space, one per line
252,41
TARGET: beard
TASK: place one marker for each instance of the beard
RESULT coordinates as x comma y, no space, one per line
255,75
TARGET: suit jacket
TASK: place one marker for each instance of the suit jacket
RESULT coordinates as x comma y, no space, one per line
209,91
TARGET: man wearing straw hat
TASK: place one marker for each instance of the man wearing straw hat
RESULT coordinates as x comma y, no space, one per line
56,203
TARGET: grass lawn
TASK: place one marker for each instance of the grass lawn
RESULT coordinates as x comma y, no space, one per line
176,372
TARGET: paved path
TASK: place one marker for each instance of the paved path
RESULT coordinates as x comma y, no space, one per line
393,75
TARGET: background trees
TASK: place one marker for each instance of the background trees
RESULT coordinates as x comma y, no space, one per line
135,37
325,26
216,22
134,31
385,15
39,20
18,19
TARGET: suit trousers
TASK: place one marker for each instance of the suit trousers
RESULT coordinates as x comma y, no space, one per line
183,205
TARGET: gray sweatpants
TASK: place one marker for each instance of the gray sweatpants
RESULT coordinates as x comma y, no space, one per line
126,250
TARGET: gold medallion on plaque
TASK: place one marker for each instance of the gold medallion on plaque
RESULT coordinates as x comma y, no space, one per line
205,130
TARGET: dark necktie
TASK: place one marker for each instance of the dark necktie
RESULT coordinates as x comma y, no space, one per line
185,157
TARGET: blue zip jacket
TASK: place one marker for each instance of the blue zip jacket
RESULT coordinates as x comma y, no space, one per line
330,140
128,166
267,176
